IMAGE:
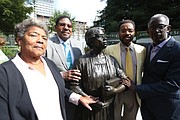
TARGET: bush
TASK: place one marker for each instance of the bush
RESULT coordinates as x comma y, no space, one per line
10,51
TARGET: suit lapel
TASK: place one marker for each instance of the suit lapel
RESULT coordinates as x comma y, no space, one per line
61,55
149,47
114,50
139,60
164,50
117,52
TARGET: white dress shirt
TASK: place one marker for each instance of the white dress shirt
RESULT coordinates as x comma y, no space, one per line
43,90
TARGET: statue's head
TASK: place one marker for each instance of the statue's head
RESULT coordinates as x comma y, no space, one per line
95,38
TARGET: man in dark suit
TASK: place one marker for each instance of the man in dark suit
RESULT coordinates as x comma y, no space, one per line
64,58
160,89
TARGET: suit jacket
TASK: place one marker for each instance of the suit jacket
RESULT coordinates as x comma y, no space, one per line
55,53
15,102
140,51
161,80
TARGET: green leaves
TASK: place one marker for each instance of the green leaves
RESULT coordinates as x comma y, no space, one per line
139,11
12,12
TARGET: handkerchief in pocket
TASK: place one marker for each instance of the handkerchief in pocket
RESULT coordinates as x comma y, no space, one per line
162,61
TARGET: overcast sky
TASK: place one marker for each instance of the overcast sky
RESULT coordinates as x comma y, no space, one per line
82,10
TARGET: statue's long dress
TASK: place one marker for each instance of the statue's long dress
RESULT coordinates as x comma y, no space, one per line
95,71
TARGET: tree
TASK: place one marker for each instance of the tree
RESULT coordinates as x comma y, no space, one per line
12,12
139,11
56,14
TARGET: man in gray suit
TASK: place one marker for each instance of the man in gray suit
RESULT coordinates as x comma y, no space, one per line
61,51
56,52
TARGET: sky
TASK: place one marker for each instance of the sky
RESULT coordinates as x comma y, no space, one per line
82,10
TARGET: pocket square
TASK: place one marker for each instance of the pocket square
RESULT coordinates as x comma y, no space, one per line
162,61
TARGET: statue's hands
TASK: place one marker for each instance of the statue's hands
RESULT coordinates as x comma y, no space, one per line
73,74
109,90
87,100
129,83
99,104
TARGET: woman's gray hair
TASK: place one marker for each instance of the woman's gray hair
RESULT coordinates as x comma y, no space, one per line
22,27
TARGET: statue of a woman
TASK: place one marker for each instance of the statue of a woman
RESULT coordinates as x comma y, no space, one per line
101,76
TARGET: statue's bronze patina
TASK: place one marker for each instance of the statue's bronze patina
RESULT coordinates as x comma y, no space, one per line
101,76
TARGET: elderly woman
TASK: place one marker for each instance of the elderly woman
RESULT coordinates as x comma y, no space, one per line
101,75
31,87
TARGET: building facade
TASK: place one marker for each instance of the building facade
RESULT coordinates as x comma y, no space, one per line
43,9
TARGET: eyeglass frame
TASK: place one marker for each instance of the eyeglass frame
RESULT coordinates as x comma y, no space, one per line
97,36
158,27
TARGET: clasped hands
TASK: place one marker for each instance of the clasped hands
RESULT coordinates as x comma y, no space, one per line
125,83
73,74
110,90
129,84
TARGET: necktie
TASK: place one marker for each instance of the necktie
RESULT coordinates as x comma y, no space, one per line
68,55
129,64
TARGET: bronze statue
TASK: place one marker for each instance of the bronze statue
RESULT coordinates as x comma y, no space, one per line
101,76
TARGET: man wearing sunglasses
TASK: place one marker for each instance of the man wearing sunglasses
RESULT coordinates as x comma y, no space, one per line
160,89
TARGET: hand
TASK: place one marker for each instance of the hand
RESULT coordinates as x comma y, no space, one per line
86,100
129,83
109,90
71,75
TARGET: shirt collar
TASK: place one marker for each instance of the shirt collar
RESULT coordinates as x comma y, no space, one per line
162,43
18,61
123,47
61,41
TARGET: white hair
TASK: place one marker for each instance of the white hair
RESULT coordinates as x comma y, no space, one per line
158,16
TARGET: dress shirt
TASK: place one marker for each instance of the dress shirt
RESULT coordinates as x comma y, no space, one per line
123,58
43,90
155,49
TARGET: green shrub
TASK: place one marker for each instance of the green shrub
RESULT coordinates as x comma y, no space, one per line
10,51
